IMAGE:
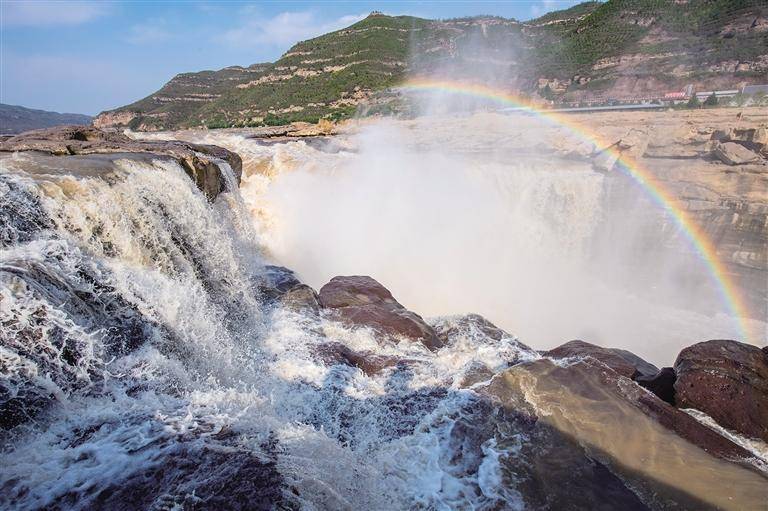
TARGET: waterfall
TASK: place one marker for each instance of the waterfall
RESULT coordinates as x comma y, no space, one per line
145,362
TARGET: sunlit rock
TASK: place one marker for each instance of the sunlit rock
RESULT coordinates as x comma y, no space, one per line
621,361
728,381
360,300
200,162
734,154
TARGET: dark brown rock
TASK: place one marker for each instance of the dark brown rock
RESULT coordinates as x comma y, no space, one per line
662,384
728,381
361,300
332,353
354,290
198,161
468,324
301,297
275,281
621,361
587,411
192,474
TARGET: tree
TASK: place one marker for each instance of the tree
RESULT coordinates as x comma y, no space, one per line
694,102
546,92
711,100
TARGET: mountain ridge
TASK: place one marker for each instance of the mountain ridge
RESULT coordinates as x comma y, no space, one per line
593,49
17,119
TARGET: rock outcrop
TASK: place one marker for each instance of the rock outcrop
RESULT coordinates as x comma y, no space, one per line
333,353
199,161
362,301
732,153
622,362
662,384
728,381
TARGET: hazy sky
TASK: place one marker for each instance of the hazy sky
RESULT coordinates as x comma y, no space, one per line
89,56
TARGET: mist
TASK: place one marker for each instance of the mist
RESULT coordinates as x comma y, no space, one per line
535,245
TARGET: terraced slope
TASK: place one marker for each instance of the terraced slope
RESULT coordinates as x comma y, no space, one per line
617,48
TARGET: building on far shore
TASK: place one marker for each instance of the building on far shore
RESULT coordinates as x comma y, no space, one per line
719,94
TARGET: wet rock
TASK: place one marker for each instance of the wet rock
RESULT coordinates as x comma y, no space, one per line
732,153
276,281
644,368
728,381
301,297
585,412
362,301
198,161
662,384
476,330
195,476
472,325
621,361
333,353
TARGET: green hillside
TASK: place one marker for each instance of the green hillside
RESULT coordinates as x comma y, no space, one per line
616,48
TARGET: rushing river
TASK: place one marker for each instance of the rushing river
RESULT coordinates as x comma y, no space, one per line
146,366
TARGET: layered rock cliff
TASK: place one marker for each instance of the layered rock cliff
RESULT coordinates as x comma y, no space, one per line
614,49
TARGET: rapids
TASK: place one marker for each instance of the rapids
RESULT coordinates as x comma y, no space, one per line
456,218
145,365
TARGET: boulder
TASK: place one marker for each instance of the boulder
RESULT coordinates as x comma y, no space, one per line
200,162
362,301
643,367
728,381
468,325
477,331
732,153
621,361
755,139
586,411
275,281
333,353
662,384
301,297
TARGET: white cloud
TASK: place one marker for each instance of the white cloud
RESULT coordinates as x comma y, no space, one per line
151,32
283,29
42,13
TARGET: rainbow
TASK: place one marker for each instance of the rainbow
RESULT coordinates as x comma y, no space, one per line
698,239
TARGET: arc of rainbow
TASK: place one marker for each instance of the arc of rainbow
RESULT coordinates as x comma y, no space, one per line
698,239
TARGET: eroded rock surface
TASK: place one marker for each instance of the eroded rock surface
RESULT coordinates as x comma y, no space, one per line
361,300
734,154
621,361
728,381
198,160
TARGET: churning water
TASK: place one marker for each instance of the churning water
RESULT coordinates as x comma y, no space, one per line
145,365
460,215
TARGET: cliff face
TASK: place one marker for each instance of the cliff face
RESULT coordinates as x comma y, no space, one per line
612,49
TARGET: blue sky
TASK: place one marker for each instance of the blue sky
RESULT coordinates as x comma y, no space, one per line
88,56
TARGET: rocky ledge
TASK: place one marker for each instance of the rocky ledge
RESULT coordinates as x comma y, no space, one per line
727,380
198,161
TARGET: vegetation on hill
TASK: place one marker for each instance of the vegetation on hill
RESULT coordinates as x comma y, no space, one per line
616,47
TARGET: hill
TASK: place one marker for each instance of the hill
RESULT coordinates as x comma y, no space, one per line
613,49
17,119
